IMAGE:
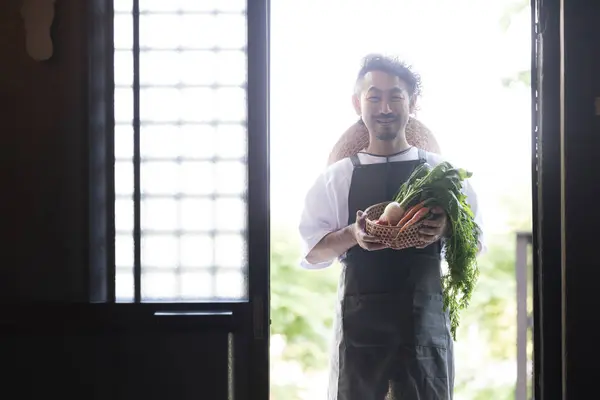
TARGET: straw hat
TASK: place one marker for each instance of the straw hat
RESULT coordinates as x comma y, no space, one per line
356,138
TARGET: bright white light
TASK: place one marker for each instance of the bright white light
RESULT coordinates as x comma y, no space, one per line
193,172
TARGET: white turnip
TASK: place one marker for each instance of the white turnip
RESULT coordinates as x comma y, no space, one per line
392,214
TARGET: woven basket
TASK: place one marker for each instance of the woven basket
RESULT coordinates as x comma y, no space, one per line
391,235
356,138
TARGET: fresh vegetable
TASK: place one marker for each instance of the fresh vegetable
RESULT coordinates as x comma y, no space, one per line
419,215
442,186
392,213
410,213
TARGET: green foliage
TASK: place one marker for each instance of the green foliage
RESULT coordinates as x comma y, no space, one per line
521,78
505,392
516,205
302,303
516,8
285,392
493,305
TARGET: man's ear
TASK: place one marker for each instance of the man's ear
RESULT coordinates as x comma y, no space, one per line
356,103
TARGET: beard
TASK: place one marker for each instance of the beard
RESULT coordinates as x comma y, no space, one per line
387,132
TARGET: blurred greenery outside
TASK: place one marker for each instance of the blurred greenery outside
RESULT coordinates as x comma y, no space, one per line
303,302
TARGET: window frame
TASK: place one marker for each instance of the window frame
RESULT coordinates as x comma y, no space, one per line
248,319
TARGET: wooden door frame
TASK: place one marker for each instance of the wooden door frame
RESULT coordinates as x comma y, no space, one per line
546,174
566,176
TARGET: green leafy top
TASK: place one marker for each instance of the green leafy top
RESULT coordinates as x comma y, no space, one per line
442,186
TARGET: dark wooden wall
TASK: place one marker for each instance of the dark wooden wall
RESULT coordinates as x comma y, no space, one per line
581,135
44,151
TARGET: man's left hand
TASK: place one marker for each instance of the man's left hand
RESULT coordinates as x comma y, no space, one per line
434,228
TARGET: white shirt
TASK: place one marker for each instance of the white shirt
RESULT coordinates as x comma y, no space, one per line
326,203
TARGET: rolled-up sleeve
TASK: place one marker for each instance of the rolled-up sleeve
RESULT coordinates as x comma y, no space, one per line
318,219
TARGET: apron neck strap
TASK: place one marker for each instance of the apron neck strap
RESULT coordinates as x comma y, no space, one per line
422,155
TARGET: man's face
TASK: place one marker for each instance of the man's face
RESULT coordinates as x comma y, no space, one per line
384,104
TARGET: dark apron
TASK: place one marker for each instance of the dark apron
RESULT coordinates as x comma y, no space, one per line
392,335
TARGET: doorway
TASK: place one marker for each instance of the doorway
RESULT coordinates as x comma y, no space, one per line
167,235
474,59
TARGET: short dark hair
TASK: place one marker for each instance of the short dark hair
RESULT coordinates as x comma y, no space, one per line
392,66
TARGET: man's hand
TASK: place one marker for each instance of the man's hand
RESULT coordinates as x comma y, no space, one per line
336,243
433,229
363,239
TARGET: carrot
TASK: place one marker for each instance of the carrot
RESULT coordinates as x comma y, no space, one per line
410,213
416,218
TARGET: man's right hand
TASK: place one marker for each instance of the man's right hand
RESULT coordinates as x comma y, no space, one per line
363,239
336,243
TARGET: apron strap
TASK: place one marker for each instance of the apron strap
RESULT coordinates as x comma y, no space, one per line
355,160
422,155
